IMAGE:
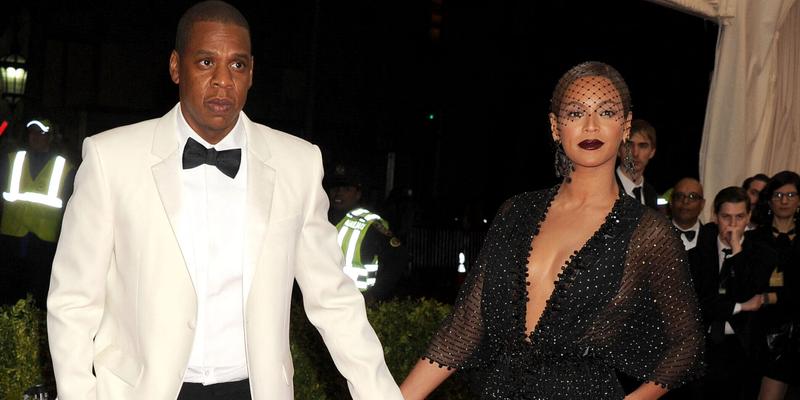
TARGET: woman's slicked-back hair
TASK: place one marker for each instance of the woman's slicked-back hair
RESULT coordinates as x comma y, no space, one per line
588,69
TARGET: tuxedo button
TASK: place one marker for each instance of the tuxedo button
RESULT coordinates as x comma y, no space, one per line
191,325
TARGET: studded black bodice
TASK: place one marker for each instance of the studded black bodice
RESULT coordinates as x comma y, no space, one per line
624,302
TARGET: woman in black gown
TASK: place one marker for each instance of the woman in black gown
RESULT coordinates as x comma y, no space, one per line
576,282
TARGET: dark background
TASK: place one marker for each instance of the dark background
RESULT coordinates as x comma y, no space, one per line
457,90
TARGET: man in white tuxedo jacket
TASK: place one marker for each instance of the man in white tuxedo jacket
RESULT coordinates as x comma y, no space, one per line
180,245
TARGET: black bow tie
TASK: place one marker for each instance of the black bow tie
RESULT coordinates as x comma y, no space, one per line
226,161
778,232
688,234
727,252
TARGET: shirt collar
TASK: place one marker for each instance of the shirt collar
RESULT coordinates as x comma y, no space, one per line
695,227
628,184
235,139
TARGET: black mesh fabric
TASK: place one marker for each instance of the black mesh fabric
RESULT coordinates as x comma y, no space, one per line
623,302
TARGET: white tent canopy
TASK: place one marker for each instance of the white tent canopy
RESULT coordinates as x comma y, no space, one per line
752,120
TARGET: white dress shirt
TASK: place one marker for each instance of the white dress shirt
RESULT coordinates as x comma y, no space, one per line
211,236
689,244
629,185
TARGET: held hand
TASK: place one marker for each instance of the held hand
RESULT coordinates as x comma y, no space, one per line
423,379
754,304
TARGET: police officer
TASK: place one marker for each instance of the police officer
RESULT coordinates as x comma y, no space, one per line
373,257
36,183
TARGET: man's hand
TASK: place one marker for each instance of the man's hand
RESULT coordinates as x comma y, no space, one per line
732,237
754,304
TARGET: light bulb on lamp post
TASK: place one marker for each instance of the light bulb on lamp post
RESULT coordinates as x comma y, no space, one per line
14,76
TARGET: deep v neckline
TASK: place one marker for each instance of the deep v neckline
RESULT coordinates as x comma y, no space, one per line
560,285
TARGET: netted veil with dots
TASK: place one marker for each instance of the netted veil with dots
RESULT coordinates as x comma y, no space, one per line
567,105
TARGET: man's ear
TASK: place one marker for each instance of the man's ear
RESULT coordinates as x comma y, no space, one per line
174,66
252,65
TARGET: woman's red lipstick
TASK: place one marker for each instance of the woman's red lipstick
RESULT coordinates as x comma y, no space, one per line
592,144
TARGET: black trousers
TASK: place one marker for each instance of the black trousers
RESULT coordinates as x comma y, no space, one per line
221,391
25,265
731,374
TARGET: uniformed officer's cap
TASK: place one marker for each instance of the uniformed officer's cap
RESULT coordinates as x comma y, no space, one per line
42,124
344,175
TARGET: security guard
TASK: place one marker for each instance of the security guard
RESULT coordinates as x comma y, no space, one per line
373,257
36,182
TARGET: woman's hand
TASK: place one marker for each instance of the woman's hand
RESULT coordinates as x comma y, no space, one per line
423,379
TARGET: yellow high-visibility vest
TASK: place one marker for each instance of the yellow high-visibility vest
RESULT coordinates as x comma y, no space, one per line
33,205
352,231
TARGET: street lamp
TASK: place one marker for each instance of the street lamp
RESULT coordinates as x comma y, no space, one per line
14,76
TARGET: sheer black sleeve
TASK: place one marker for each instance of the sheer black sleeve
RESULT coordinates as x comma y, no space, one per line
661,337
459,336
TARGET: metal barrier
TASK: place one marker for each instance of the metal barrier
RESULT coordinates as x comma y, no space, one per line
439,248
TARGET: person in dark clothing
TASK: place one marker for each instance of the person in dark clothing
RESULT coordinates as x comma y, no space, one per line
634,157
727,270
754,185
779,202
373,256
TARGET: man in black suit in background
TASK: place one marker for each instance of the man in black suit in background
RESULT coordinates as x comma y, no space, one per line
725,268
641,147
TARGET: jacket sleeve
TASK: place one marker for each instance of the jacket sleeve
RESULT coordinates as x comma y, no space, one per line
393,261
334,305
77,284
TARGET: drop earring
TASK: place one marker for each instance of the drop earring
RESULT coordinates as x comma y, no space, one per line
563,165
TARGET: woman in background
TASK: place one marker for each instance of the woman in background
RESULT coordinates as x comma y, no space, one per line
780,203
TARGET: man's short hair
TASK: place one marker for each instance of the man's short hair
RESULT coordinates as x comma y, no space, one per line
756,177
643,127
731,194
207,11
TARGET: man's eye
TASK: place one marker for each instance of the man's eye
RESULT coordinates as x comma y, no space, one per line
205,63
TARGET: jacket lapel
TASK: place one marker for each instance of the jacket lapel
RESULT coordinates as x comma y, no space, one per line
260,187
166,171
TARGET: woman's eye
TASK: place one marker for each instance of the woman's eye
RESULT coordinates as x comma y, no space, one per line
574,114
608,113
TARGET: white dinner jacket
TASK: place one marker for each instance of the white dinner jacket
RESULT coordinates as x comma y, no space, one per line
121,297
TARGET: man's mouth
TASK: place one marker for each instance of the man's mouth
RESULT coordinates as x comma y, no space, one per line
219,105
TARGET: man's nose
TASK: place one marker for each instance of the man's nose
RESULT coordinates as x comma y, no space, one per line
222,76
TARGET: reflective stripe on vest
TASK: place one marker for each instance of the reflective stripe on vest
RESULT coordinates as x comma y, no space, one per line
352,230
50,199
